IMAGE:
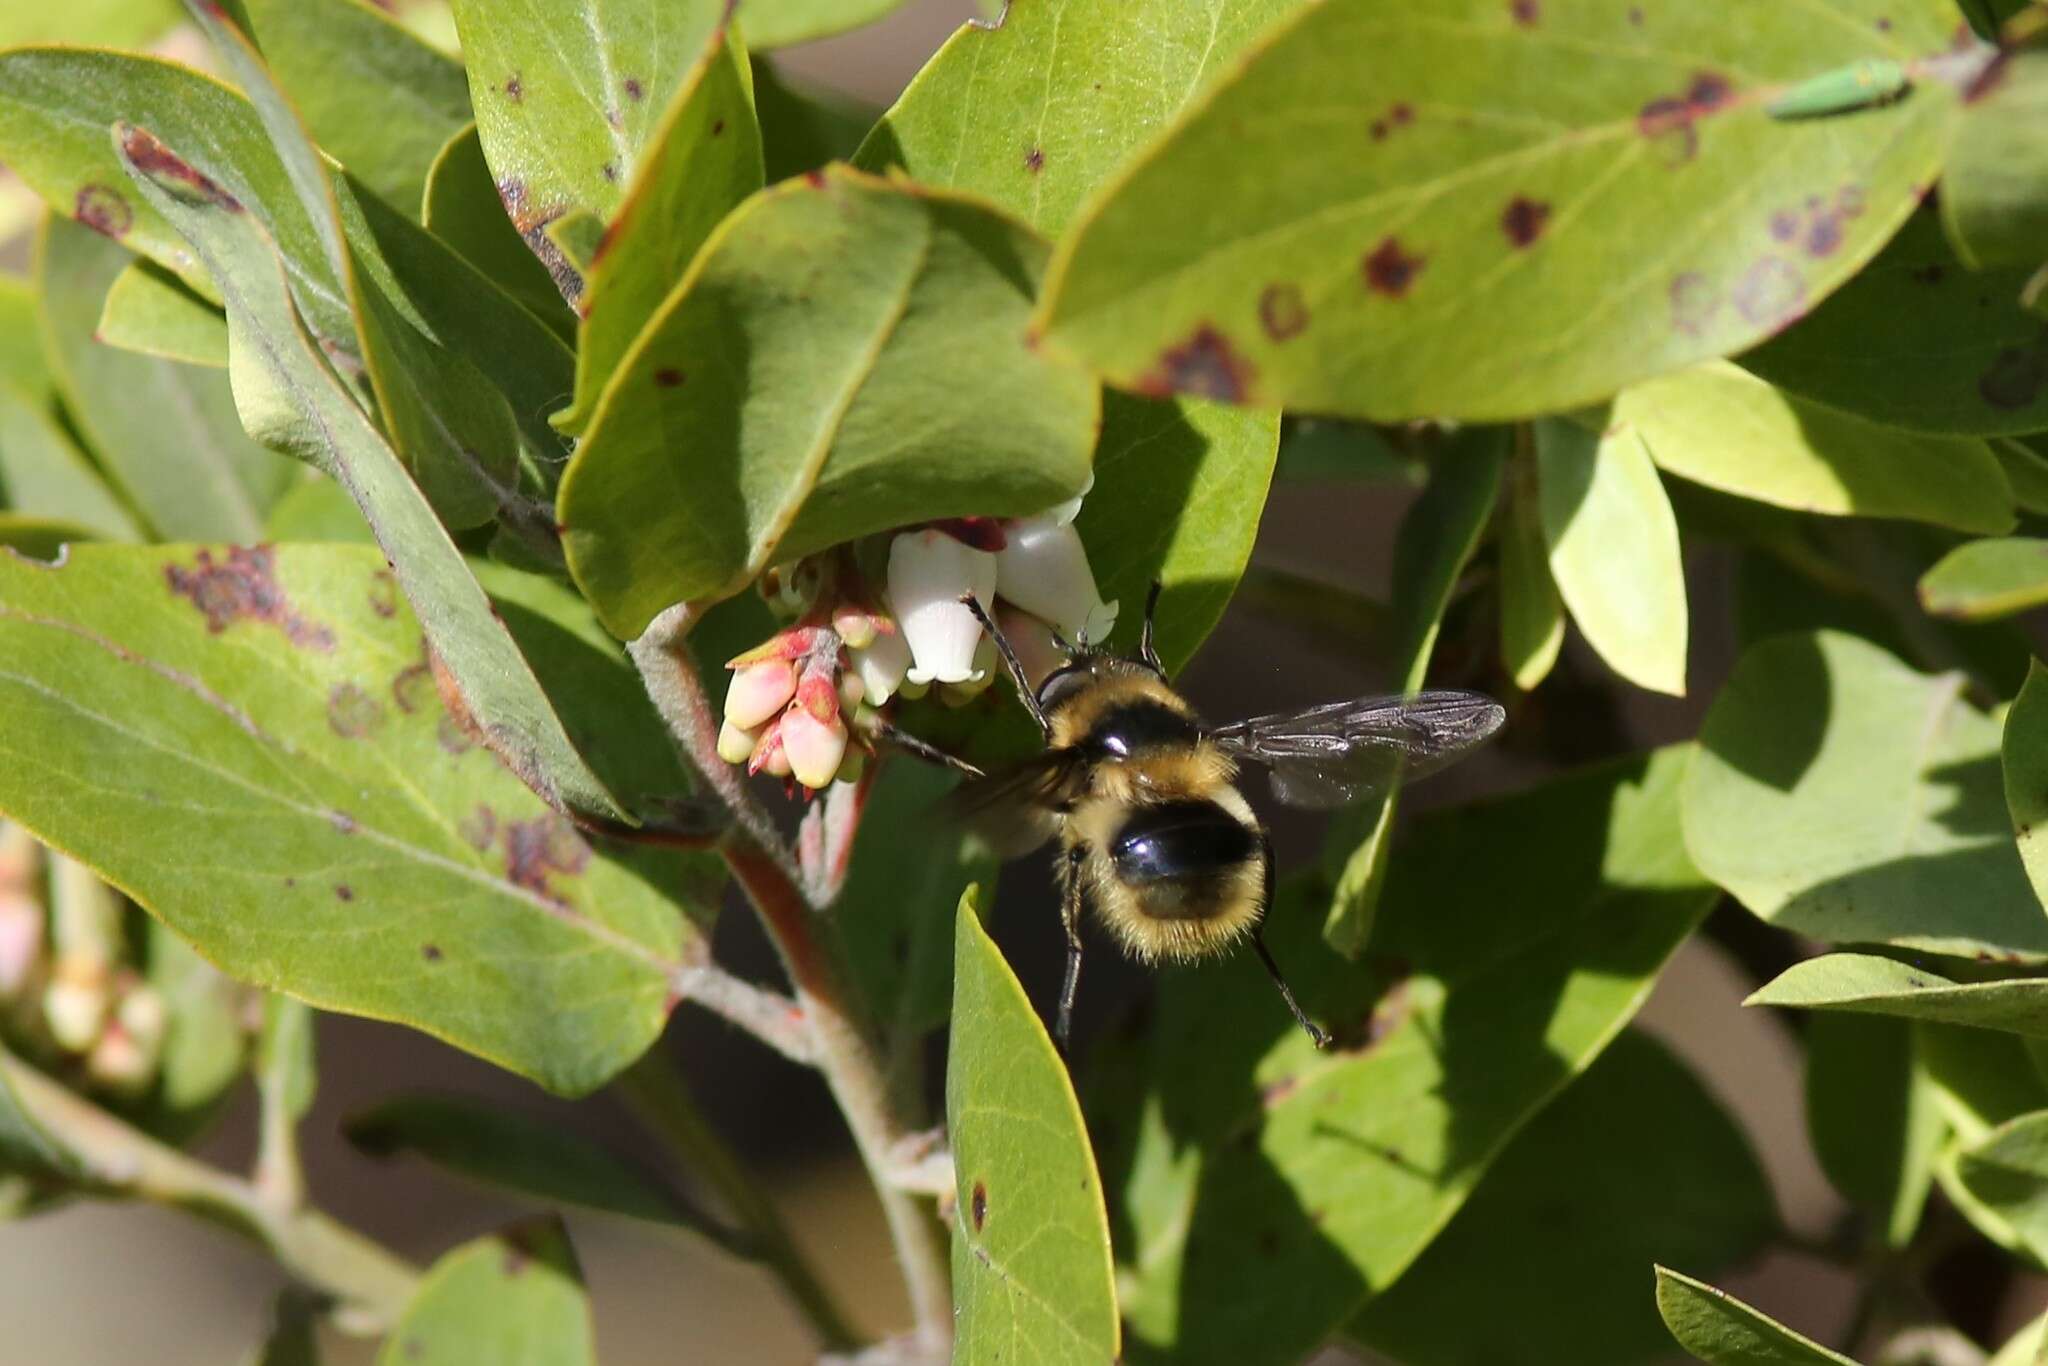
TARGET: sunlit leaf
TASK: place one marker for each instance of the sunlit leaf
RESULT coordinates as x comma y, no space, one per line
2007,1172
1988,579
1840,795
1592,185
1870,985
515,1298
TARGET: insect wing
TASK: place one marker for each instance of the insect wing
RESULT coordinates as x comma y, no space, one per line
1336,753
1013,810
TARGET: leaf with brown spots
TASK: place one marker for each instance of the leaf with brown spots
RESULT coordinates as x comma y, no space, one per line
515,1298
1032,1279
1648,144
278,807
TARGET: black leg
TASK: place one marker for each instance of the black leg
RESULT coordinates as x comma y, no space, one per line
1145,650
1010,660
1315,1034
1070,917
889,734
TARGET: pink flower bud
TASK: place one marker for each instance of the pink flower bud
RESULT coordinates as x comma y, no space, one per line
21,941
769,756
817,695
929,574
119,1063
758,691
855,625
814,746
75,1003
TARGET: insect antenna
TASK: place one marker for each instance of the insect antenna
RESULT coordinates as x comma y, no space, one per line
1315,1032
1010,661
1146,651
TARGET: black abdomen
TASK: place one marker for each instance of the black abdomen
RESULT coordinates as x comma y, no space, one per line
1185,841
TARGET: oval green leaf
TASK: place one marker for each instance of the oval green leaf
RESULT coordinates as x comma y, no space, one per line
1865,983
1719,1329
1988,579
149,310
515,1298
846,355
1032,1279
1531,612
1330,224
2007,1173
779,23
42,474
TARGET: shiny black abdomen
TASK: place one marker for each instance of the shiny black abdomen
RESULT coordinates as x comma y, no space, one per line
1184,841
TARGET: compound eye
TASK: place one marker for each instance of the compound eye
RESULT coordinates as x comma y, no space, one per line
1063,683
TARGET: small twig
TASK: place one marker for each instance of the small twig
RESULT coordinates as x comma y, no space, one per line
371,1285
279,1177
661,1101
771,1017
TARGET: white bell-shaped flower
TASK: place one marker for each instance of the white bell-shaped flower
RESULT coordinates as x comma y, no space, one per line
1065,513
1044,570
929,573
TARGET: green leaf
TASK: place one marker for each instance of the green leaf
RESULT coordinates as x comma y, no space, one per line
2027,470
2007,1173
509,1152
463,210
1718,1328
1614,549
886,380
44,475
22,362
1918,340
1037,114
318,509
1992,200
293,1339
1866,984
101,23
1531,612
286,391
40,538
2024,750
1731,431
1873,1118
1031,1269
1636,1163
515,1298
1437,539
701,161
804,126
1318,1177
1842,796
1981,1077
377,98
166,434
779,23
1988,579
206,1042
151,311
250,743
569,97
1330,224
2023,1348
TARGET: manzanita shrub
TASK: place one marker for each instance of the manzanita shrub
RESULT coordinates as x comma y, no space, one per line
432,485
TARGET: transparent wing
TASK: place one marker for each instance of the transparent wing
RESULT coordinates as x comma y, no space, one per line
1014,810
1336,753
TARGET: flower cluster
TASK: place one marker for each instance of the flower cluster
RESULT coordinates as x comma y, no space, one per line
854,646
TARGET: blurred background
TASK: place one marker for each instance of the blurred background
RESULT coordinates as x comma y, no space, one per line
97,1284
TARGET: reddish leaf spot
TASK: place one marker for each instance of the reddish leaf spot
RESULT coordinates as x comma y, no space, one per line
532,221
977,1206
384,594
1823,235
1635,17
668,377
151,157
1988,80
1402,114
1884,25
1390,270
2016,378
1784,226
344,892
431,952
815,179
610,171
1034,160
412,687
1282,311
479,829
1524,220
1694,302
515,90
541,847
1525,12
244,588
1205,365
1771,293
615,118
352,713
717,127
1670,120
1276,1091
104,210
1708,92
634,90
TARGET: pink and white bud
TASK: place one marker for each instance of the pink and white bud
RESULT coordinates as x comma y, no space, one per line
76,1001
852,692
119,1063
142,1016
1044,570
736,743
856,625
881,665
815,747
758,691
21,941
769,757
1032,640
929,573
817,693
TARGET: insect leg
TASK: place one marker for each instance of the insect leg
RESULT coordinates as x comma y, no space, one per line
1010,660
1070,917
1315,1033
1145,650
889,734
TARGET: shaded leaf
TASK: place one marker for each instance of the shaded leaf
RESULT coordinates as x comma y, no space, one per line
2024,750
1320,1176
1988,579
804,127
44,475
344,59
1437,539
1716,1327
1614,549
251,744
1992,201
514,1298
1635,1163
40,538
846,355
1918,340
318,509
2007,1173
1867,984
1326,227
701,160
2026,469
293,1339
1840,795
463,210
779,23
1531,612
288,393
149,310
166,434
1031,1268
1873,1118
22,362
206,1042
1981,1077
1729,430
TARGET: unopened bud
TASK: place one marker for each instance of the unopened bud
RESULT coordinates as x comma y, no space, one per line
814,747
736,743
817,694
881,666
142,1016
855,625
758,691
75,1003
119,1063
21,941
852,766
